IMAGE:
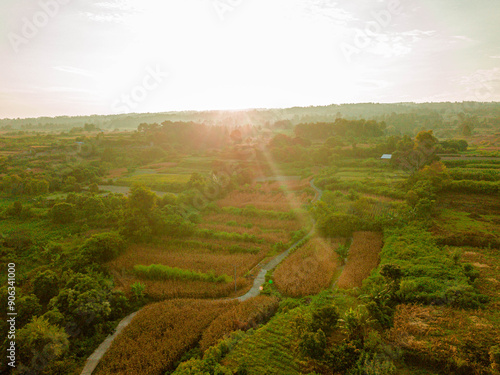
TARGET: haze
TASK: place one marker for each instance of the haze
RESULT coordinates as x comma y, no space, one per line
105,57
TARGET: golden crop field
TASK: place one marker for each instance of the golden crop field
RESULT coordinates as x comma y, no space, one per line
199,260
271,236
247,314
158,336
309,269
364,256
276,201
254,221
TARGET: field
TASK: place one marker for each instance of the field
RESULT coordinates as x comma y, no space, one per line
309,269
158,336
227,239
445,339
276,201
417,293
363,257
162,182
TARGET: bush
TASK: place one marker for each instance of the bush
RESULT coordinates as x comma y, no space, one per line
63,213
325,319
339,225
46,285
313,344
340,358
41,340
103,247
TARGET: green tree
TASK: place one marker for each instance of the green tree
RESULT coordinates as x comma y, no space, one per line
42,340
103,247
313,344
93,188
46,285
325,318
15,209
142,199
63,213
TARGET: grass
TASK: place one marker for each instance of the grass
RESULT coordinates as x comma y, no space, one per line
450,340
162,182
459,228
430,275
269,350
161,272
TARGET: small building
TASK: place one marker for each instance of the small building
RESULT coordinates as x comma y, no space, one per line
386,157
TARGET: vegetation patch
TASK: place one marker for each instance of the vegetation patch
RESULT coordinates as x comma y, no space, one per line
161,272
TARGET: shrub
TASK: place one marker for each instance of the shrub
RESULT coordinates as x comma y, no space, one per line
325,319
340,358
103,247
339,225
63,213
46,285
313,344
39,340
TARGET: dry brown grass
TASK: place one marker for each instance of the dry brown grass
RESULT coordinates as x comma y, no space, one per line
364,256
115,173
308,270
446,338
158,336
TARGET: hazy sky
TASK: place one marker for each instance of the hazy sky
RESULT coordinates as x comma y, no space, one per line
71,57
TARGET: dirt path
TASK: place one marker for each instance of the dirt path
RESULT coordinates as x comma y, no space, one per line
94,359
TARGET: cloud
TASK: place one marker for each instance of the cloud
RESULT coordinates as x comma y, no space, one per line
110,11
329,9
463,37
481,85
73,70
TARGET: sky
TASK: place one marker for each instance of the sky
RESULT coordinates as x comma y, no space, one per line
83,57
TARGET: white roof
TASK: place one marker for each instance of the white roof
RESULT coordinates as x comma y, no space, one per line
386,156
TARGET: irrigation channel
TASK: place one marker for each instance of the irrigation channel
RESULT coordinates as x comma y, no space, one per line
254,291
